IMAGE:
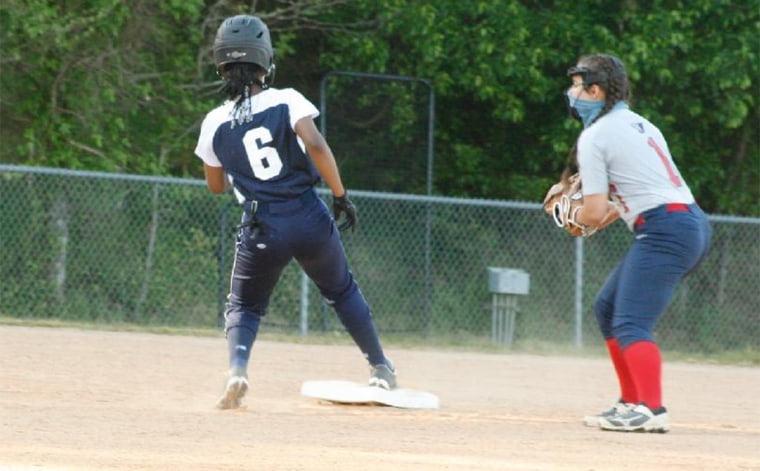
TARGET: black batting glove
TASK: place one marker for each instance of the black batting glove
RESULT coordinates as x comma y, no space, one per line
345,209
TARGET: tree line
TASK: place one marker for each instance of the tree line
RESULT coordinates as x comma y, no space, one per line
122,85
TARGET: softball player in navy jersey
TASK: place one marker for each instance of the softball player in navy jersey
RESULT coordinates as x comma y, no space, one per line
264,141
623,157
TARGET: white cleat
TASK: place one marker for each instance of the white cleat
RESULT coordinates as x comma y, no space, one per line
234,390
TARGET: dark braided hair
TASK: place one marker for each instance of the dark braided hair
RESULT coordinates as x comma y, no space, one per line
608,72
238,80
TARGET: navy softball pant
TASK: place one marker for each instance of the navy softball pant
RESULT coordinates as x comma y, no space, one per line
669,242
300,229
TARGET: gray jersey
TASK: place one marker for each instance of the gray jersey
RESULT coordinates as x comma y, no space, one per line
626,156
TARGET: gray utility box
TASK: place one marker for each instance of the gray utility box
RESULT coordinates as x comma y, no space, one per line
505,284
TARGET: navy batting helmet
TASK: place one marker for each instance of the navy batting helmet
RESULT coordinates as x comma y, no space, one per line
244,38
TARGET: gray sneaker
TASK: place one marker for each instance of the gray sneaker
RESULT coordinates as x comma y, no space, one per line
616,409
639,419
234,390
383,376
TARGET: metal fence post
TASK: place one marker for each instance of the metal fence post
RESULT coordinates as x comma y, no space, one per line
222,290
579,292
428,296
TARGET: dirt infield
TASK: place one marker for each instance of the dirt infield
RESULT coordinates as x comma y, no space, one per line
91,400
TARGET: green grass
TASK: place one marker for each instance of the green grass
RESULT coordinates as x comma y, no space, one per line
459,341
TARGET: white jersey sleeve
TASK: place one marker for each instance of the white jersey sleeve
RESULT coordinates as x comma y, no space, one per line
627,157
215,118
299,106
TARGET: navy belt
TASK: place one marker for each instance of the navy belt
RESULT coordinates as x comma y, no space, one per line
668,208
278,207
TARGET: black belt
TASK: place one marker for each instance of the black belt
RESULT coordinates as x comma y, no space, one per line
278,207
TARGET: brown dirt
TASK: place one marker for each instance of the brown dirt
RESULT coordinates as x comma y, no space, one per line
91,400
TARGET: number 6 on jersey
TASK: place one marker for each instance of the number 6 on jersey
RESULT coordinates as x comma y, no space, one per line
265,161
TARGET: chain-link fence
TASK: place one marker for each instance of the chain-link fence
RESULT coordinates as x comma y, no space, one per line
96,247
380,128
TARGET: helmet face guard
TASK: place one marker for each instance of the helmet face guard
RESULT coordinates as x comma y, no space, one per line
244,39
589,77
598,77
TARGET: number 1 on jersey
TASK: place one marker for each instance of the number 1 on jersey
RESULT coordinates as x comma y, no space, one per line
665,161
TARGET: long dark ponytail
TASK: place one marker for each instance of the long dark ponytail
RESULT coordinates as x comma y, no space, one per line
608,72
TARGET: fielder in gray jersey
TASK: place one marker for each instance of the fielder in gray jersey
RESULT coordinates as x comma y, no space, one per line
624,158
627,155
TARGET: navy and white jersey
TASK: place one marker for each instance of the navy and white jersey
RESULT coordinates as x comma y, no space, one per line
625,155
264,157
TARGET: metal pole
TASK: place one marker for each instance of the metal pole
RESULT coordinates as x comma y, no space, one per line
429,211
222,294
428,314
578,291
304,304
503,317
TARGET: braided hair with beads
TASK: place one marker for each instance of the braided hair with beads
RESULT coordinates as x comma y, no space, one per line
238,80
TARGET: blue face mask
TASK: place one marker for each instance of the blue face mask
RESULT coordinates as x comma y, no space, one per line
583,110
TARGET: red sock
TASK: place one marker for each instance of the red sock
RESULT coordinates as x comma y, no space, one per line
645,364
627,386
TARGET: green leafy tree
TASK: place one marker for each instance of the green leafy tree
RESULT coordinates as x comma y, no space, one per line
121,85
498,69
99,84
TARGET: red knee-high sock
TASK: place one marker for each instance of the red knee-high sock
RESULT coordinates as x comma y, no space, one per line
627,386
645,364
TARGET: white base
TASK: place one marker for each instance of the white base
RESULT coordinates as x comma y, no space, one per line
347,392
